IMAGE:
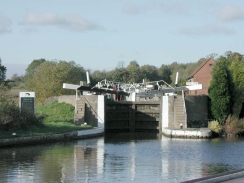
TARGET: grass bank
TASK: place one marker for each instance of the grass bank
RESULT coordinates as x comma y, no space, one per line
57,118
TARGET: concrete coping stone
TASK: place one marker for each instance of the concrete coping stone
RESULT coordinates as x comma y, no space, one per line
225,176
52,138
187,132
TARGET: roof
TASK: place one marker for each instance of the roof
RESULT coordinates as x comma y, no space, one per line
198,68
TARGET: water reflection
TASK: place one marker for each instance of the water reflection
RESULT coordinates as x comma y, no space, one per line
124,157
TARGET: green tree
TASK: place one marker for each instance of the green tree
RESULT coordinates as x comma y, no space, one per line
165,73
3,71
30,70
219,91
17,81
149,72
237,82
48,79
119,75
234,56
134,72
98,76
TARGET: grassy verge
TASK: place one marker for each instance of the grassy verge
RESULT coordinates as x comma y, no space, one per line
48,129
57,118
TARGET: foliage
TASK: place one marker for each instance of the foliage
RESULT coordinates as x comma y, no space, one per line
11,118
149,72
3,71
17,81
233,125
134,72
98,76
52,118
48,79
215,127
30,71
219,91
164,73
118,75
237,83
56,112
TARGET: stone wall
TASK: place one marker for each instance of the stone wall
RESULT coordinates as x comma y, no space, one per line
70,99
91,112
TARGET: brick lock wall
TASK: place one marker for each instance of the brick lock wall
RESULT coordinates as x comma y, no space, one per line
203,76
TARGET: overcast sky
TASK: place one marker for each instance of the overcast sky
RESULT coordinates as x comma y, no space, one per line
97,34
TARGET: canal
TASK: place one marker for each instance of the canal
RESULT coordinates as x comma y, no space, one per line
121,157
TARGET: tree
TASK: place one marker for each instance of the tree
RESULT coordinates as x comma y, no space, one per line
237,82
234,56
149,72
17,80
212,55
219,91
134,72
165,73
119,75
48,79
29,72
97,76
120,65
3,71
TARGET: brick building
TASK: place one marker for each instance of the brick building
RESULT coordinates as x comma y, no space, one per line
203,76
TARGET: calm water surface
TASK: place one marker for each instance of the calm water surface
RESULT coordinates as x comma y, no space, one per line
121,157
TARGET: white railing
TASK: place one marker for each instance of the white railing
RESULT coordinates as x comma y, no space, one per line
191,83
184,108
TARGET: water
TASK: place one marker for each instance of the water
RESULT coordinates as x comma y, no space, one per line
121,157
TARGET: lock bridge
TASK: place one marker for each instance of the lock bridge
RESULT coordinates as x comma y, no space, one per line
138,107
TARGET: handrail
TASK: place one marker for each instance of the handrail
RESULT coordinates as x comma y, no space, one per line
93,109
184,109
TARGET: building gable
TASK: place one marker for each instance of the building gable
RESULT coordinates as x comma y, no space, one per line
203,76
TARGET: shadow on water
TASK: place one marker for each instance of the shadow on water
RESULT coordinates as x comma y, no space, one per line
215,168
113,137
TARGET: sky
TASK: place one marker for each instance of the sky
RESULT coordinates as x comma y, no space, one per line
99,34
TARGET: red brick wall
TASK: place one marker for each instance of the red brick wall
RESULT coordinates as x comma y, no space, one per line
203,76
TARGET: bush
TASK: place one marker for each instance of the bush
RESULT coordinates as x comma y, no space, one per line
11,118
215,127
233,126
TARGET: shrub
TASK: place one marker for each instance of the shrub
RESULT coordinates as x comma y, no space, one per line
233,125
11,118
215,127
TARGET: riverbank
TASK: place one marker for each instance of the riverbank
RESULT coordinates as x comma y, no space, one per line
79,134
94,132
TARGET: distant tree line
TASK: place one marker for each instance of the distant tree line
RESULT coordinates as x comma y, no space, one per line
46,77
